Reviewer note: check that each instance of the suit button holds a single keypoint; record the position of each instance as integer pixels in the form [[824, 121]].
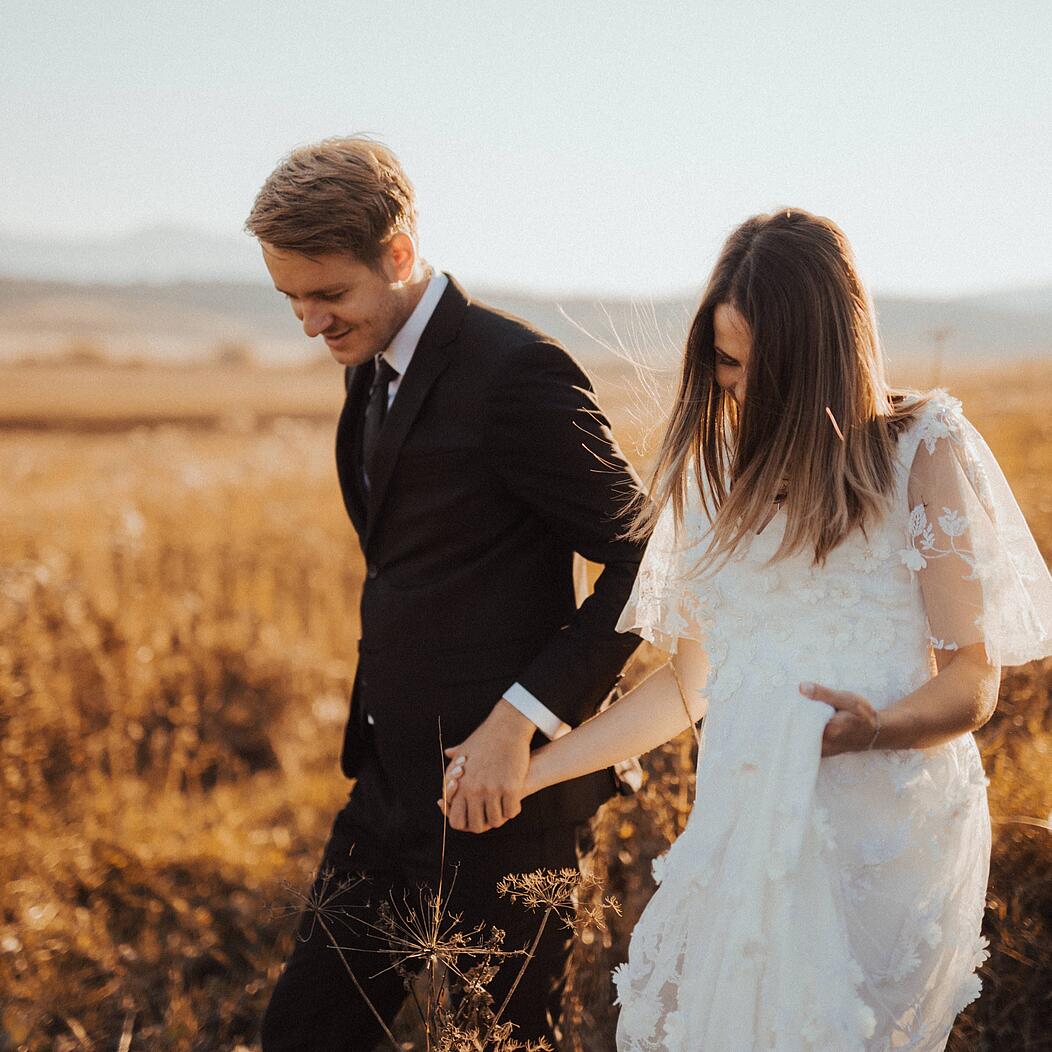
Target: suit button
[[372, 572]]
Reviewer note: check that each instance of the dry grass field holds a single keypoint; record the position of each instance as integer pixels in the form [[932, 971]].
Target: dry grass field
[[178, 612]]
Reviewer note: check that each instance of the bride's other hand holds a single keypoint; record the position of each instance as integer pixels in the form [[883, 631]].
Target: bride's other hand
[[855, 725]]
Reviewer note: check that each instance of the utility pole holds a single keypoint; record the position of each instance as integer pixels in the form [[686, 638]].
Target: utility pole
[[939, 336]]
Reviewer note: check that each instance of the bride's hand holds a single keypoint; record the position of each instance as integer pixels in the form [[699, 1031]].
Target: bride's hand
[[451, 783], [855, 725], [455, 771]]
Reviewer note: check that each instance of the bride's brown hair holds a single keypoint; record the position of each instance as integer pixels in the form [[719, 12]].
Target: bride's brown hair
[[818, 423]]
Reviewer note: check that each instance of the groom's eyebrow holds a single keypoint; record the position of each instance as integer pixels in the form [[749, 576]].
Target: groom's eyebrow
[[328, 290]]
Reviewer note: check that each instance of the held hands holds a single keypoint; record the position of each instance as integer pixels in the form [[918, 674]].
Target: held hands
[[855, 725], [485, 780]]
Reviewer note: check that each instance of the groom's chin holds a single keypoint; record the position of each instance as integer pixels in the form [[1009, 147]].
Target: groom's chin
[[351, 356]]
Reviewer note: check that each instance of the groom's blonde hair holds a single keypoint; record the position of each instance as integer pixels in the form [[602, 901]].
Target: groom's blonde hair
[[346, 195]]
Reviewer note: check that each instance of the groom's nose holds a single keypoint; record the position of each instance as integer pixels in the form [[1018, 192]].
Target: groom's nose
[[315, 319]]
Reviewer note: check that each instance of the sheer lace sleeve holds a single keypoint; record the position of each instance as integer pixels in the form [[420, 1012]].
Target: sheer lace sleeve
[[981, 574], [668, 602]]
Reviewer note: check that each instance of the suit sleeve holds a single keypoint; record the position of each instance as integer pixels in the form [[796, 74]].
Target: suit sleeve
[[552, 446]]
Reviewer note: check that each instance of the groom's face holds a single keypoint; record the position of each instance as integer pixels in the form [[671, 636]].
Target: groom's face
[[352, 306]]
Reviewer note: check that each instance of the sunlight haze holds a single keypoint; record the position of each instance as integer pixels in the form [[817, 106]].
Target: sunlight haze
[[589, 148]]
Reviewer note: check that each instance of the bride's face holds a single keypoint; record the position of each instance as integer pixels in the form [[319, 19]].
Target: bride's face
[[733, 342]]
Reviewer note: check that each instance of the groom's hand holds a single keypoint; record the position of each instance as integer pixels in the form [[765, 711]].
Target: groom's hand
[[495, 759]]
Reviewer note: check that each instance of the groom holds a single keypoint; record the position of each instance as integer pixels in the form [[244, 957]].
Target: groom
[[474, 462]]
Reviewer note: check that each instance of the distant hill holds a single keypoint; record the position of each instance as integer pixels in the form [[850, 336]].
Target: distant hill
[[161, 253], [1036, 299], [173, 294], [972, 329]]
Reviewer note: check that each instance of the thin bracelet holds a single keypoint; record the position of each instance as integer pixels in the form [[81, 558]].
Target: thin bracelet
[[683, 699], [875, 733]]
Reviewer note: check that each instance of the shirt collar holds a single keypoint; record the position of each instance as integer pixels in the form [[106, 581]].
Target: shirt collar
[[400, 351]]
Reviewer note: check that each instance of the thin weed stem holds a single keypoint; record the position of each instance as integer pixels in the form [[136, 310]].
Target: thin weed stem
[[357, 985], [522, 969]]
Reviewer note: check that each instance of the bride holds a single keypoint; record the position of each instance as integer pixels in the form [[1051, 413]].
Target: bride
[[839, 571]]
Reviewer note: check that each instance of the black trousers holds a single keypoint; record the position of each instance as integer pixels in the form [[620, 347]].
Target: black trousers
[[381, 852]]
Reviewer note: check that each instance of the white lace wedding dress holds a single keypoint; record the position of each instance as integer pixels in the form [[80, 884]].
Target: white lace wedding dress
[[831, 905]]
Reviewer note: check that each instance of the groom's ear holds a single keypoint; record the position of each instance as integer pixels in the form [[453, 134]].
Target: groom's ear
[[398, 258]]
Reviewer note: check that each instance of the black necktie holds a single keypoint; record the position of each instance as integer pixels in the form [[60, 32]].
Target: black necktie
[[375, 412]]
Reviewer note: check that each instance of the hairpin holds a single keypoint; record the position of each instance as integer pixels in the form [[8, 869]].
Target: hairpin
[[836, 426]]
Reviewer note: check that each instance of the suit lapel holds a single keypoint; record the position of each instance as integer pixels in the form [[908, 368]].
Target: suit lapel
[[429, 360], [348, 443]]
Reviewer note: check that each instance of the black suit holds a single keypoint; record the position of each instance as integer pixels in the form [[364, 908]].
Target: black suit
[[493, 467]]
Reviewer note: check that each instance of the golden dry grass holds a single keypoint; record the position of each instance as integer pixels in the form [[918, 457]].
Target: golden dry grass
[[108, 397], [178, 608]]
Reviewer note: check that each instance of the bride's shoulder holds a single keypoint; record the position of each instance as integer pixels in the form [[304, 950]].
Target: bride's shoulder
[[920, 406], [928, 416], [941, 444], [689, 526]]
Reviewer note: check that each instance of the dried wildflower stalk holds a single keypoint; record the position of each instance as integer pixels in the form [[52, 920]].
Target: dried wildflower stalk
[[427, 936]]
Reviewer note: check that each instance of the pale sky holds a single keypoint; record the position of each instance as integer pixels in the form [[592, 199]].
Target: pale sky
[[557, 146]]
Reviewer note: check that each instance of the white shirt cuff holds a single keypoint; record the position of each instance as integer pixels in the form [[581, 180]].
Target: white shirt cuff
[[540, 715]]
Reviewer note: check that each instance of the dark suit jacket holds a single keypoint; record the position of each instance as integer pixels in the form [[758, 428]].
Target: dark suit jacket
[[493, 467]]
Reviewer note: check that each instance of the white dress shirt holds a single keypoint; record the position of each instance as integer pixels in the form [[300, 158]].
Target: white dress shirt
[[398, 355], [400, 352]]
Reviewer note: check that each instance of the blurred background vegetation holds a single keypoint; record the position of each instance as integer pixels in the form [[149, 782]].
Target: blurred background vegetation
[[178, 614]]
